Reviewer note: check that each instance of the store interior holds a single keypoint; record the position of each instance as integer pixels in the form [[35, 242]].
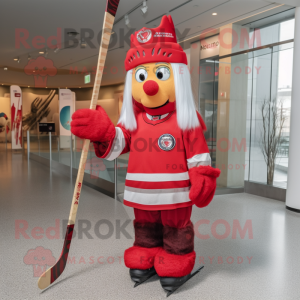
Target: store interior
[[230, 85], [242, 61]]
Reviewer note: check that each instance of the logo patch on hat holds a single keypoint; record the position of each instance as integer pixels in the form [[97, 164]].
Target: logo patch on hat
[[166, 142], [144, 36]]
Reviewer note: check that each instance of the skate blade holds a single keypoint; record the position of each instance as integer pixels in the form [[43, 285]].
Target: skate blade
[[139, 283], [169, 293]]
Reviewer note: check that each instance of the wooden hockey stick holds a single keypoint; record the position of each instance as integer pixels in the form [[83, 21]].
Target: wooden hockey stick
[[55, 271]]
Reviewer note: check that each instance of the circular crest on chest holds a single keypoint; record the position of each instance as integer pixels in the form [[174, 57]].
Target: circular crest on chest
[[166, 142]]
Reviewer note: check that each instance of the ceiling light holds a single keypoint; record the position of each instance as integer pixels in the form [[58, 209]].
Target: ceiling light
[[82, 43], [56, 50], [144, 8], [214, 14], [15, 59], [41, 52], [29, 86], [127, 21], [5, 69]]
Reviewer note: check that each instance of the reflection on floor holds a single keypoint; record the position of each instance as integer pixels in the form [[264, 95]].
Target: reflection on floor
[[280, 178], [4, 146], [260, 263]]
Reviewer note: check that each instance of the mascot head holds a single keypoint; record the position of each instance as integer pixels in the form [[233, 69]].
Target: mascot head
[[158, 80]]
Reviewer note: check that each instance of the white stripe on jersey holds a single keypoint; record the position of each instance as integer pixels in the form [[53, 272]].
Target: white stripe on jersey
[[156, 199], [117, 146], [156, 191], [158, 177], [199, 160]]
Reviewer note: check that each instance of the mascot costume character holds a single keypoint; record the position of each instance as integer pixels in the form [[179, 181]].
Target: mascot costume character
[[169, 167]]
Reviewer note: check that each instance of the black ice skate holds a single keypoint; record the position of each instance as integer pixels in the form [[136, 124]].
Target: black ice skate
[[171, 284], [140, 276]]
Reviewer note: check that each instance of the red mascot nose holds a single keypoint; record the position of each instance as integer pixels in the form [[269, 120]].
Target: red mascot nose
[[150, 87]]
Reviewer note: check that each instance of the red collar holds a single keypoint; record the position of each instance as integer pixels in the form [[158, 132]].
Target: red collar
[[169, 107]]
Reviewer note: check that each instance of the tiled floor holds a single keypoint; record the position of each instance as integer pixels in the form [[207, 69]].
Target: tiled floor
[[262, 264]]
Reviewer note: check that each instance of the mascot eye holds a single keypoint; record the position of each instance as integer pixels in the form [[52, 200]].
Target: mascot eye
[[163, 73], [141, 75], [44, 68]]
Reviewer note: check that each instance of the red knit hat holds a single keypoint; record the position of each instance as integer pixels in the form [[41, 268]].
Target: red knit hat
[[155, 45]]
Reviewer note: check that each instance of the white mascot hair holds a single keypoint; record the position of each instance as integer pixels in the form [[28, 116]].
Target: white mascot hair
[[185, 106]]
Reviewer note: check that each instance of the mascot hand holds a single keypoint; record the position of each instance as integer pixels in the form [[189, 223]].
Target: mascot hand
[[204, 182], [94, 125]]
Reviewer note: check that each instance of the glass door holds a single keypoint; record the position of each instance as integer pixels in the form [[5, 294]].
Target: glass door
[[225, 87], [208, 102], [261, 95]]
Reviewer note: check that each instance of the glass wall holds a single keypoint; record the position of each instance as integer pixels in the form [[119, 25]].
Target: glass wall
[[271, 116], [274, 33], [66, 150], [245, 101], [209, 102], [261, 89], [283, 91]]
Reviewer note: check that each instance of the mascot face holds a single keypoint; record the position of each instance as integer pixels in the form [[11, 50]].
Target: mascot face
[[153, 84]]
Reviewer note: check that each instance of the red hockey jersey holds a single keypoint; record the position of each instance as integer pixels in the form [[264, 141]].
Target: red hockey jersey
[[160, 156]]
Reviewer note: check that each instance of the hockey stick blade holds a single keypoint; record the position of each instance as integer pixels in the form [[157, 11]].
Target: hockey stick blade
[[55, 271]]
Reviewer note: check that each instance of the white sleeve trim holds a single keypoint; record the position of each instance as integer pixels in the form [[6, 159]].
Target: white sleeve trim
[[117, 146], [199, 160]]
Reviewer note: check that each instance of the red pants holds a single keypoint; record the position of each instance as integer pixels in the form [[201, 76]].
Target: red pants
[[163, 239], [170, 229], [177, 218]]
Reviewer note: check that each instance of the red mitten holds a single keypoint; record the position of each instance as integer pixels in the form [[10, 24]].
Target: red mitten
[[204, 182], [94, 125]]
